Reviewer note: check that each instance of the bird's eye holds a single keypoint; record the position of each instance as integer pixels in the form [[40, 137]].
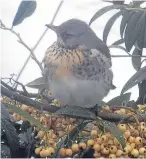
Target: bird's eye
[[66, 36]]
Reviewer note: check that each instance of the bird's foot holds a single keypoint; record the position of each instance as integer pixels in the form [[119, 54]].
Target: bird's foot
[[76, 111], [95, 109]]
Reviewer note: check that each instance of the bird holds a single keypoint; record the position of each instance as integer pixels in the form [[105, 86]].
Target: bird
[[77, 66]]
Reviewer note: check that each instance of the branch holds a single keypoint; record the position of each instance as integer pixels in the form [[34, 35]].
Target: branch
[[126, 56], [29, 95], [2, 26], [104, 115], [25, 100], [117, 118], [18, 83]]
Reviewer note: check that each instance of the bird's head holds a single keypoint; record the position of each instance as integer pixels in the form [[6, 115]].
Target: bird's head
[[74, 33], [70, 32]]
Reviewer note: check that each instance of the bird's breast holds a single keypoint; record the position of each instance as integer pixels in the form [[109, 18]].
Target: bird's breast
[[62, 60]]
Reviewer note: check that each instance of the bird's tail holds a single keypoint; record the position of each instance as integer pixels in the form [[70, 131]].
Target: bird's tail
[[113, 87]]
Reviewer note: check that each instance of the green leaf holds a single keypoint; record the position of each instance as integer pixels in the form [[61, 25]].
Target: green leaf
[[119, 47], [11, 135], [115, 132], [5, 112], [5, 151], [140, 39], [74, 133], [27, 116], [119, 99], [67, 142], [115, 2], [109, 25], [118, 42], [24, 126], [25, 9], [133, 29], [75, 111], [132, 104], [126, 17], [139, 76], [144, 45], [137, 3], [136, 61], [103, 11], [38, 83]]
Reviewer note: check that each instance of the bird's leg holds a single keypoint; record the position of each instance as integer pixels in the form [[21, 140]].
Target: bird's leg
[[95, 109]]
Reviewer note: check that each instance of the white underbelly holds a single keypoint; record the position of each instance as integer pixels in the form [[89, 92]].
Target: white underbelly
[[74, 92]]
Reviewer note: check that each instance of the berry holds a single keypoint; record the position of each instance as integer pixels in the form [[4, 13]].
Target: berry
[[41, 134], [68, 152], [138, 140], [112, 156], [90, 142], [45, 153], [110, 142], [97, 154], [113, 149], [94, 133], [122, 127], [127, 148], [37, 151], [25, 107], [127, 134], [82, 145], [106, 108], [75, 147], [122, 111], [62, 152], [99, 140], [119, 153], [104, 138], [142, 151], [135, 153], [105, 151], [116, 142], [131, 139], [51, 150], [132, 145], [96, 147]]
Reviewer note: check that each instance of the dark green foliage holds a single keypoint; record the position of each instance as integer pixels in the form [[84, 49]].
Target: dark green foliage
[[126, 16], [115, 131], [133, 29], [119, 99], [135, 79], [25, 9], [109, 25], [75, 111], [136, 61], [103, 11]]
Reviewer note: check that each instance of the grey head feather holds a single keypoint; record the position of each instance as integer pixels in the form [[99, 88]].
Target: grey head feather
[[75, 32]]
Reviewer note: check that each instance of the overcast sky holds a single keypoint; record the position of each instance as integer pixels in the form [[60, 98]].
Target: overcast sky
[[14, 54]]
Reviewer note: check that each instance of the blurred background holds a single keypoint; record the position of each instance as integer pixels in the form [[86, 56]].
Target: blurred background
[[14, 55]]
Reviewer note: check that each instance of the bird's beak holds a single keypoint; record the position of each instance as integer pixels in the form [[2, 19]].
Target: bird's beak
[[52, 27]]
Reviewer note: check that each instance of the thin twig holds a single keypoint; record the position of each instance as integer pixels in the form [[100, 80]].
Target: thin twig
[[126, 56], [25, 100], [104, 115], [18, 83], [142, 62], [136, 9], [2, 26], [30, 95], [35, 46]]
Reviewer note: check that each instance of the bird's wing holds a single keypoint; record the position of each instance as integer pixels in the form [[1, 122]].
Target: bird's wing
[[91, 41]]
